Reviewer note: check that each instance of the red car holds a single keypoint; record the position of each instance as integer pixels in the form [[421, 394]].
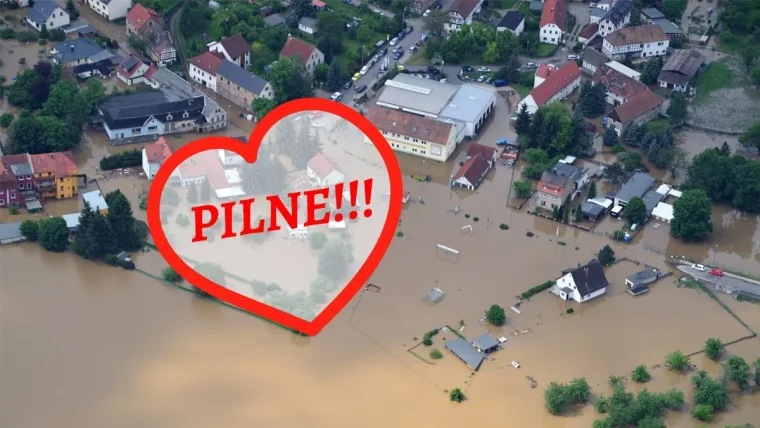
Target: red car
[[715, 272]]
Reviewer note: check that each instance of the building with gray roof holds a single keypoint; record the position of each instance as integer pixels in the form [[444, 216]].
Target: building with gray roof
[[471, 105], [48, 14], [11, 232], [592, 211], [274, 20], [651, 199], [635, 187], [485, 343], [672, 30], [465, 352], [71, 53], [241, 86], [643, 277], [650, 14]]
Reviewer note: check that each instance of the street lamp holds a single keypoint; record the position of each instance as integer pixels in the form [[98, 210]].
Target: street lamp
[[362, 55]]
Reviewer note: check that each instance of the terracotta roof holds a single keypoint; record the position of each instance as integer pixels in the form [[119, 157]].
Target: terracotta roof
[[206, 164], [61, 164], [473, 169], [551, 182], [140, 14], [410, 125], [7, 178], [19, 159], [618, 83], [557, 81], [297, 47], [207, 61], [151, 71], [545, 70], [317, 3], [158, 152], [554, 12], [235, 46], [321, 165], [464, 7], [633, 108], [487, 152], [637, 35], [589, 31]]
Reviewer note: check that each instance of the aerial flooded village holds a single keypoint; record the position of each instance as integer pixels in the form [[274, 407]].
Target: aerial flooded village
[[578, 241]]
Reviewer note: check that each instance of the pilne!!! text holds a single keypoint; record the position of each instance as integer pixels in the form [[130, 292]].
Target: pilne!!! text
[[316, 199]]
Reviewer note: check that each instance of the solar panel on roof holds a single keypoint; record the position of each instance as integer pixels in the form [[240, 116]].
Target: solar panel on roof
[[129, 63]]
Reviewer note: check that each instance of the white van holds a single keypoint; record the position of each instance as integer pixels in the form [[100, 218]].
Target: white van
[[299, 232]]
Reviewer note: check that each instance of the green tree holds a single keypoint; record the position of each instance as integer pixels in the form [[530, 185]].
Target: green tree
[[262, 106], [53, 234], [602, 404], [170, 275], [335, 258], [730, 179], [456, 395], [434, 23], [578, 214], [738, 371], [691, 216], [205, 194], [635, 211], [602, 423], [714, 348], [213, 272], [606, 256], [523, 188], [122, 222], [703, 412], [496, 315], [44, 32], [709, 391], [676, 361], [610, 138], [614, 173], [305, 147], [6, 119], [757, 372], [436, 354], [317, 240], [522, 122], [632, 161], [634, 134], [592, 99], [578, 390], [192, 194], [651, 70], [652, 422], [592, 190], [30, 229], [640, 374], [334, 77], [267, 176], [290, 80], [556, 398], [94, 93], [673, 399], [751, 137], [677, 110], [674, 9]]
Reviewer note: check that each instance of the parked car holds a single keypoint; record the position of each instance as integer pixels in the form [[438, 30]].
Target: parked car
[[427, 12], [398, 54], [700, 268], [573, 57], [484, 69], [401, 35], [413, 49], [336, 96], [356, 77], [398, 48], [715, 272], [394, 41], [467, 69], [438, 6], [499, 83], [482, 78], [409, 29], [502, 142], [424, 38], [383, 51], [531, 65], [378, 11], [348, 84], [361, 88], [591, 5], [364, 70]]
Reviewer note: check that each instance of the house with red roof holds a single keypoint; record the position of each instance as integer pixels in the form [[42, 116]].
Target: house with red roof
[[203, 67], [322, 172], [306, 53], [634, 102], [234, 48], [472, 173], [55, 175], [154, 155], [487, 152], [556, 87], [552, 24], [462, 12], [206, 167], [132, 71], [141, 17], [542, 73]]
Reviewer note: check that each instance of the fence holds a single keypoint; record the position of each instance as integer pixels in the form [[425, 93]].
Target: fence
[[577, 226]]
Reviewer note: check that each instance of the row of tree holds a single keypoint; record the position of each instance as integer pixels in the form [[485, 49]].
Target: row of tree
[[726, 178], [553, 130]]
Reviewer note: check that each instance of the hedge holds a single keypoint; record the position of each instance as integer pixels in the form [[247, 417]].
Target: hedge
[[537, 289], [126, 159]]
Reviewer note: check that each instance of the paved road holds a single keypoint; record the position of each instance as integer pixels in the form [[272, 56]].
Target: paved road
[[727, 280]]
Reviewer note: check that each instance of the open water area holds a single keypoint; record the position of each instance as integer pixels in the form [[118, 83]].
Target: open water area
[[84, 344]]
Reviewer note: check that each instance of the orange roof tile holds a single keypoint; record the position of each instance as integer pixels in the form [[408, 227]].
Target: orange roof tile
[[207, 61], [158, 152], [297, 47], [61, 164], [557, 81], [140, 14], [554, 12], [321, 165]]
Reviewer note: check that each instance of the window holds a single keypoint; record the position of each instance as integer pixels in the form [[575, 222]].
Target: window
[[21, 186], [543, 203], [61, 188], [2, 201], [28, 185]]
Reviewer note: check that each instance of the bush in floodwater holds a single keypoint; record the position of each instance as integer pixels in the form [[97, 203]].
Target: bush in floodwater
[[466, 216], [110, 259], [475, 219], [399, 234], [503, 226], [529, 234], [170, 275], [456, 395], [435, 354], [569, 311], [427, 340], [537, 289], [13, 210]]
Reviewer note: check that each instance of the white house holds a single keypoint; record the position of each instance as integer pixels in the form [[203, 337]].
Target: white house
[[132, 71], [96, 200], [633, 74], [154, 155], [230, 159], [617, 17], [557, 86], [582, 284], [203, 68], [513, 21], [308, 25], [309, 55], [47, 13], [322, 172], [21, 3], [462, 12], [472, 173], [644, 41], [110, 9], [235, 49], [552, 24], [543, 71]]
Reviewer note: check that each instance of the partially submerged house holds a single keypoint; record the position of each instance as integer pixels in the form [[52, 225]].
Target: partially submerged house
[[485, 343], [323, 172], [557, 86], [636, 186], [154, 155], [472, 173], [465, 352], [582, 284], [97, 201], [638, 283], [592, 211]]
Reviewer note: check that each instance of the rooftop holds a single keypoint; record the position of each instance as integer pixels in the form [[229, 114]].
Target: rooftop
[[684, 61], [594, 57], [618, 83], [668, 27], [589, 31], [61, 164], [207, 61], [410, 125], [465, 352], [274, 19], [643, 275], [75, 49], [140, 14], [297, 47], [619, 10], [589, 278], [554, 12], [468, 103], [485, 342], [636, 186], [235, 45], [487, 152], [651, 199], [413, 93], [20, 164], [465, 7], [41, 11], [652, 13], [473, 169], [321, 166], [512, 19], [13, 231], [158, 152], [637, 105], [591, 208], [637, 35], [551, 178], [232, 72], [96, 200], [572, 172], [308, 22], [557, 81]]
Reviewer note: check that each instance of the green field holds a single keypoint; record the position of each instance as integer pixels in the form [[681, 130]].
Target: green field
[[716, 76], [545, 49]]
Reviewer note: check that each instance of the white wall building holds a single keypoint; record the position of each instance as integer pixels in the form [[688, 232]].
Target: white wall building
[[202, 68], [48, 14], [154, 155], [552, 24], [110, 9], [617, 17], [557, 86], [582, 284], [234, 48], [643, 41]]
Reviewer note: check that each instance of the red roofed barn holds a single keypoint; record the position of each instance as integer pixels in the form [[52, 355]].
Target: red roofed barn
[[552, 23], [556, 87]]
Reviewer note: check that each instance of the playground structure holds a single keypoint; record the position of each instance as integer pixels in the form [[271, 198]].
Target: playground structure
[[446, 250]]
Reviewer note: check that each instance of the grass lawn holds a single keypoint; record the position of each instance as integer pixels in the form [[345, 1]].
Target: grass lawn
[[420, 59], [658, 125], [525, 8], [545, 49], [716, 76], [504, 4], [522, 89]]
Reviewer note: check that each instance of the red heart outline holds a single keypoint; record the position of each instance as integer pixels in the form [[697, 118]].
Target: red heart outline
[[249, 152]]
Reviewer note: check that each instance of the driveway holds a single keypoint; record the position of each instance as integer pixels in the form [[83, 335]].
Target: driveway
[[106, 28], [730, 281]]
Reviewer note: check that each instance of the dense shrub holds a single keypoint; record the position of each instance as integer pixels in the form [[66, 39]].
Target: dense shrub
[[127, 159], [537, 289]]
